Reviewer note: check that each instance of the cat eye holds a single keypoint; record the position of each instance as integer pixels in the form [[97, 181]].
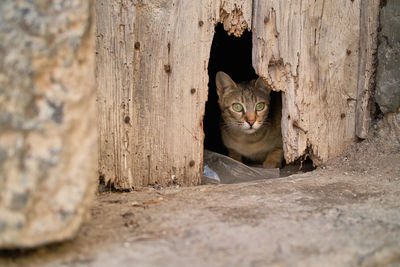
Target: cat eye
[[260, 106], [237, 107]]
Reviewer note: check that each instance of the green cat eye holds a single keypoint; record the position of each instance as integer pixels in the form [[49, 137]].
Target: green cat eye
[[260, 106], [237, 107]]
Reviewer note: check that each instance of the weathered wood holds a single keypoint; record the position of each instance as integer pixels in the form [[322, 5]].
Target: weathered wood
[[366, 74], [152, 82], [152, 79], [309, 51]]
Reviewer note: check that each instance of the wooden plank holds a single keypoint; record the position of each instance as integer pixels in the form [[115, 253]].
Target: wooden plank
[[309, 51], [366, 79], [152, 82]]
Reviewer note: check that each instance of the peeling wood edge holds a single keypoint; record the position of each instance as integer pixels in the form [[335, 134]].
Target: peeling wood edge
[[233, 21]]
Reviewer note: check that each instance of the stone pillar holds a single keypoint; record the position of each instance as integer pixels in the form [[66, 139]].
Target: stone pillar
[[388, 71], [48, 132], [387, 93]]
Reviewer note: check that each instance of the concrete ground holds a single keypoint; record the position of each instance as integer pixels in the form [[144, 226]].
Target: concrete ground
[[344, 214]]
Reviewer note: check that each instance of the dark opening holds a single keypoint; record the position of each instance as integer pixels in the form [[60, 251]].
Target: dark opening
[[231, 55]]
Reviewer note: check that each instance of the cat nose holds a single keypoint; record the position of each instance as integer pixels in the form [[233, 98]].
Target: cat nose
[[251, 118]]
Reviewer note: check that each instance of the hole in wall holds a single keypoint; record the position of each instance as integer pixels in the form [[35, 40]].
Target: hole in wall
[[231, 55], [299, 166]]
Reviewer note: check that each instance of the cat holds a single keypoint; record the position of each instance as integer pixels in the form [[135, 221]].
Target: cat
[[251, 126]]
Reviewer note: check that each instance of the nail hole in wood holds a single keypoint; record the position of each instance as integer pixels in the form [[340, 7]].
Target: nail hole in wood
[[137, 45], [127, 119], [167, 68], [193, 90]]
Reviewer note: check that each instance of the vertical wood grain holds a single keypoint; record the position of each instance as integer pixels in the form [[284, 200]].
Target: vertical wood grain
[[367, 64], [152, 61], [309, 51]]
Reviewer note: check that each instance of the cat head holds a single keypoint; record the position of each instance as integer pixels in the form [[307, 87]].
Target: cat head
[[244, 106]]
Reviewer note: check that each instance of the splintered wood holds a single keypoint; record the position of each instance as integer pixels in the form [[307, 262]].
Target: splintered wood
[[152, 60], [309, 50]]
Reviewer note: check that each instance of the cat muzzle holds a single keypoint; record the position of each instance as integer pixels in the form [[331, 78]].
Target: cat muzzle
[[251, 122]]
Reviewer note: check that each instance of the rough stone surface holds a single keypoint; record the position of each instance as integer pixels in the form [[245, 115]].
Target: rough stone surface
[[47, 119], [345, 214], [389, 127], [388, 71]]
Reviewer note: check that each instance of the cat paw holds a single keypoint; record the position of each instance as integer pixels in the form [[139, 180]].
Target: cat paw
[[274, 159], [234, 155], [271, 164]]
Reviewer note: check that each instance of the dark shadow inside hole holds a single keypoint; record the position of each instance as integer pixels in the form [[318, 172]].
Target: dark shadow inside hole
[[299, 166], [307, 165], [231, 55]]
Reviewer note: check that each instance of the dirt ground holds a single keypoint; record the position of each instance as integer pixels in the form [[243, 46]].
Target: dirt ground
[[345, 213]]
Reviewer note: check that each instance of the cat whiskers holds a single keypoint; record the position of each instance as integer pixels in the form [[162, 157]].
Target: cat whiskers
[[231, 125], [266, 123]]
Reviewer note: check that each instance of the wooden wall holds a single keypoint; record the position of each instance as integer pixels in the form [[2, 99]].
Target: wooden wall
[[152, 59]]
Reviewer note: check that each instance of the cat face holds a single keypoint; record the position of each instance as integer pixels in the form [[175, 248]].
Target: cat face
[[244, 106]]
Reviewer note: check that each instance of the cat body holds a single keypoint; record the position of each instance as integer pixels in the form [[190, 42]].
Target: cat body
[[251, 126]]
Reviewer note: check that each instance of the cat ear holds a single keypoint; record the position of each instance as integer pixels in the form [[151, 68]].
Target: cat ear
[[223, 81], [260, 84]]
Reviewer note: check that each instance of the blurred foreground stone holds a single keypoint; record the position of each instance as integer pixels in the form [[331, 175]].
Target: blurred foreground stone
[[48, 152], [388, 71]]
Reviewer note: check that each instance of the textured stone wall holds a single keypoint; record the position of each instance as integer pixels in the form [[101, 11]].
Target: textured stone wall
[[48, 152], [387, 93], [388, 71]]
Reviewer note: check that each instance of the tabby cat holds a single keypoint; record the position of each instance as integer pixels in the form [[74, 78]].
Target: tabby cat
[[251, 127]]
